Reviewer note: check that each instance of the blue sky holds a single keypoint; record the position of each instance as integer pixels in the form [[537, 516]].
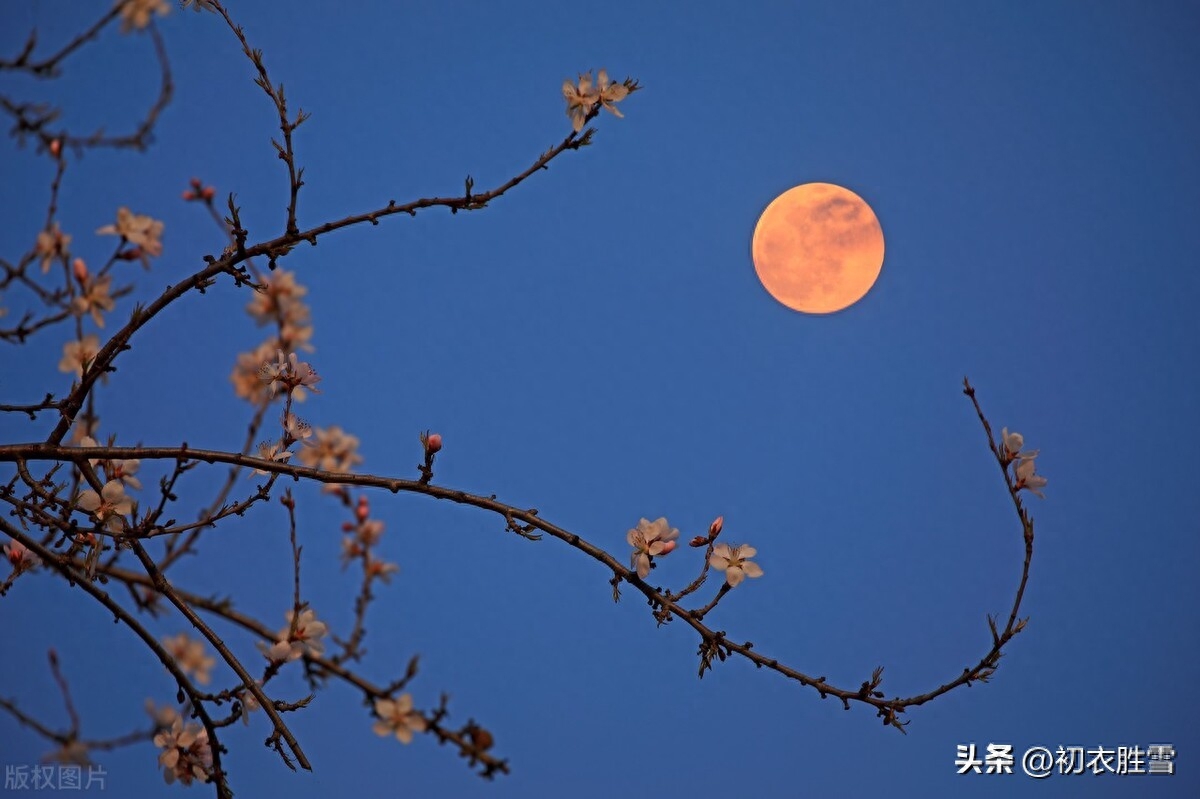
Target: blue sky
[[596, 344]]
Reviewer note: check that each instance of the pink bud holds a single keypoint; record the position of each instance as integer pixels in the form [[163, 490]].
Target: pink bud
[[208, 192], [187, 196], [363, 510], [79, 268], [433, 443], [196, 183], [714, 529], [56, 147], [698, 541]]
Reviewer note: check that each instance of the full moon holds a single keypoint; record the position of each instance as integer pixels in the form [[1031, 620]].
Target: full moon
[[818, 248]]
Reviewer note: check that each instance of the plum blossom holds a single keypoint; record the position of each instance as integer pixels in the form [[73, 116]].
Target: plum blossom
[[735, 562], [190, 656], [305, 640], [123, 470], [649, 539], [279, 298], [580, 98], [397, 717], [381, 569], [1012, 443], [135, 14], [20, 557], [51, 243], [288, 373], [331, 449], [247, 373], [78, 353], [143, 231], [610, 93], [296, 428], [272, 451], [186, 754], [94, 299], [249, 703], [1027, 479], [109, 507], [163, 717]]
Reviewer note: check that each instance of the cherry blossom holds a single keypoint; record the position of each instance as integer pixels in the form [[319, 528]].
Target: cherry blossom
[[397, 717], [735, 562]]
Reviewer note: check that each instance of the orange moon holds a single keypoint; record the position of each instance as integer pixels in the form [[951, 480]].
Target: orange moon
[[818, 248]]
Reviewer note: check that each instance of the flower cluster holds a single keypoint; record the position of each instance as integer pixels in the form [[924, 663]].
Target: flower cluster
[[190, 656], [144, 232], [280, 301], [94, 297], [1011, 449], [305, 639], [289, 374], [397, 717], [331, 449], [582, 96], [360, 537], [198, 190], [186, 754], [52, 244], [650, 539]]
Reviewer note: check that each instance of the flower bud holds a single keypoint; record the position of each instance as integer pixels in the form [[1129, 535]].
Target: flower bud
[[698, 541], [56, 147], [79, 269], [714, 529], [363, 510], [433, 443], [208, 192]]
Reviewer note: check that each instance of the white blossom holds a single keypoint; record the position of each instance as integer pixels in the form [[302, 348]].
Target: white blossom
[[648, 539], [397, 717], [735, 562]]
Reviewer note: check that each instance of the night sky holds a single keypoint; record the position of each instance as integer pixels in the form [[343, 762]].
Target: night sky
[[596, 344]]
